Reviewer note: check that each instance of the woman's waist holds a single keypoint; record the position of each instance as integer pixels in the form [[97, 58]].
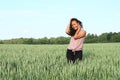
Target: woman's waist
[[74, 51], [75, 47]]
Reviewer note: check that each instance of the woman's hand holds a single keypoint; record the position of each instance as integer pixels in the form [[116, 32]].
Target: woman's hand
[[78, 30], [79, 33]]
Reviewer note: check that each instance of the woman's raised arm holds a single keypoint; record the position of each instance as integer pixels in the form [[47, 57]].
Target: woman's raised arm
[[81, 34], [67, 31]]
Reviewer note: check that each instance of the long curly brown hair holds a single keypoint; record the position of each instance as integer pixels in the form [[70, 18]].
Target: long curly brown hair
[[72, 31]]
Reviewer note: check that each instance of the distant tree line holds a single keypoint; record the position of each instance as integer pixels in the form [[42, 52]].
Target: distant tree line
[[103, 38], [45, 40], [90, 38]]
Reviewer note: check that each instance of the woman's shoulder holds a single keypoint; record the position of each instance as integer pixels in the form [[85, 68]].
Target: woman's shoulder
[[83, 30]]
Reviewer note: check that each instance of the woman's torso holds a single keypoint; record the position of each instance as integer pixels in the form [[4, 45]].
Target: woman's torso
[[76, 44]]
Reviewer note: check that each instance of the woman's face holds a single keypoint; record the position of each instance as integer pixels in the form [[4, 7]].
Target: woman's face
[[75, 25]]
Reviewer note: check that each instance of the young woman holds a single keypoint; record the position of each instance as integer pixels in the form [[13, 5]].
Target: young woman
[[75, 47]]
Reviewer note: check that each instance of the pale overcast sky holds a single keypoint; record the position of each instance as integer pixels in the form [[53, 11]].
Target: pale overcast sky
[[48, 18]]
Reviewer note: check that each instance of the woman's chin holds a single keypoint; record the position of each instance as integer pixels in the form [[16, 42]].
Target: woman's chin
[[76, 29]]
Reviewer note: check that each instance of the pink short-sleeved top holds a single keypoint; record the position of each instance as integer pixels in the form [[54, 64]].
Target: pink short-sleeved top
[[76, 45]]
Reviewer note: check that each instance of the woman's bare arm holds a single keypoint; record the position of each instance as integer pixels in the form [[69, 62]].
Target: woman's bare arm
[[67, 31], [81, 34]]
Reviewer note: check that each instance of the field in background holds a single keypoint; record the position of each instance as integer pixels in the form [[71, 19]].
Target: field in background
[[48, 62]]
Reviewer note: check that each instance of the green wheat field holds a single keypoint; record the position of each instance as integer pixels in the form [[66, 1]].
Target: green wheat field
[[48, 62]]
